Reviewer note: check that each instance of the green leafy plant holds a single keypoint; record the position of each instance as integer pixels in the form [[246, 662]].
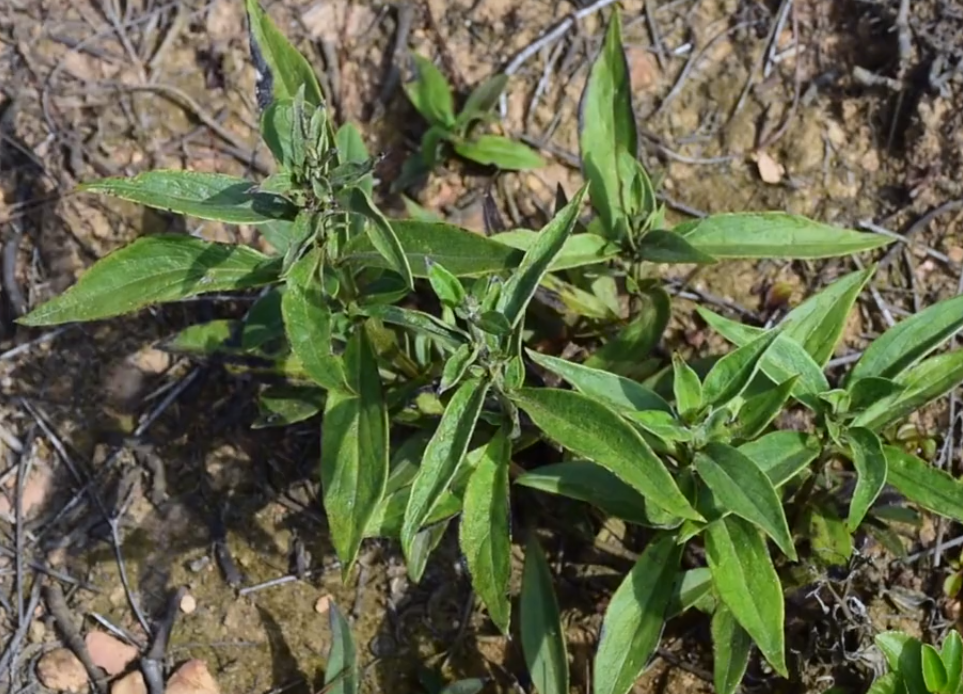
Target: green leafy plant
[[431, 94], [424, 348], [918, 668]]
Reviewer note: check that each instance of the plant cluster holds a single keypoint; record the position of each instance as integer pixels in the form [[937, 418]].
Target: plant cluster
[[416, 341], [918, 668]]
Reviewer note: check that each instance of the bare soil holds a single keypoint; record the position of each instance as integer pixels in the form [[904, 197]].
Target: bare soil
[[845, 111]]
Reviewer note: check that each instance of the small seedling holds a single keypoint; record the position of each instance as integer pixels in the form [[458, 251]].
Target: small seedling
[[431, 94]]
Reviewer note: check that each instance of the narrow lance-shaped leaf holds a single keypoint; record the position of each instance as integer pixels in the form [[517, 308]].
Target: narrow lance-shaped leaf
[[686, 386], [585, 481], [520, 288], [627, 349], [924, 484], [445, 451], [354, 451], [870, 463], [730, 651], [739, 485], [592, 431], [482, 99], [154, 270], [485, 535], [934, 672], [282, 69], [746, 581], [919, 385], [635, 617], [495, 150], [430, 94], [774, 235], [307, 322], [607, 126], [760, 410], [817, 323], [904, 656], [543, 641], [731, 374], [619, 393], [212, 196], [910, 340], [380, 233], [418, 321], [462, 252], [341, 673]]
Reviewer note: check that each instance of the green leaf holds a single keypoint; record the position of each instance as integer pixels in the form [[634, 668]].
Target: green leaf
[[287, 69], [482, 99], [494, 323], [456, 367], [498, 151], [445, 451], [829, 538], [543, 640], [686, 386], [904, 655], [870, 464], [661, 246], [920, 385], [774, 235], [924, 484], [747, 583], [446, 286], [419, 321], [277, 128], [952, 656], [865, 392], [730, 651], [354, 451], [740, 486], [731, 374], [380, 233], [351, 148], [278, 233], [521, 286], [419, 213], [341, 672], [910, 340], [817, 323], [585, 481], [621, 394], [578, 250], [212, 196], [462, 252], [430, 94], [624, 352], [785, 358], [263, 323], [307, 322], [286, 405], [758, 411], [635, 617], [934, 672], [782, 454], [890, 683], [591, 430], [692, 589], [485, 536], [154, 270], [607, 127]]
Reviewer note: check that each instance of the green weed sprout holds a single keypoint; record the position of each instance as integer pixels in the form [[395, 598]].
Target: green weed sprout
[[430, 93]]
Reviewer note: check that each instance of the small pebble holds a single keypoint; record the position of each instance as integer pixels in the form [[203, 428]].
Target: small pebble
[[188, 604], [131, 683], [109, 652], [323, 604], [192, 677], [199, 564], [60, 670]]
